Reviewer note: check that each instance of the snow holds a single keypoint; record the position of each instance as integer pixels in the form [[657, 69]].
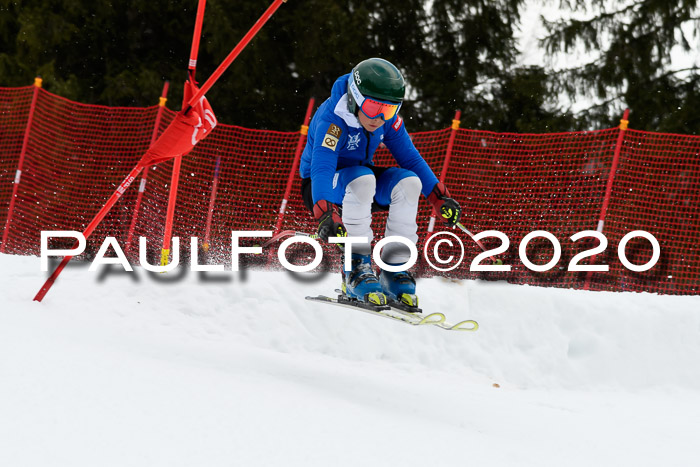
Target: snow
[[182, 369]]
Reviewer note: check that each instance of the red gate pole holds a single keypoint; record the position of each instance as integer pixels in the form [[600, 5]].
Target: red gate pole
[[446, 163], [18, 174], [443, 175], [212, 199], [91, 227], [175, 177], [608, 189], [144, 176], [194, 50], [295, 165], [172, 201], [136, 170], [234, 53]]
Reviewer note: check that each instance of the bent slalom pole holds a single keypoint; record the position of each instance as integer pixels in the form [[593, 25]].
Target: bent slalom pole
[[496, 261], [177, 139]]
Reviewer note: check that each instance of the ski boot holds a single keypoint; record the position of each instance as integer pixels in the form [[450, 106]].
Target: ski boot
[[400, 289], [360, 283]]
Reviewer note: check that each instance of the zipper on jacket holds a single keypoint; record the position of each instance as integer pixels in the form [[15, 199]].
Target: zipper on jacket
[[367, 134]]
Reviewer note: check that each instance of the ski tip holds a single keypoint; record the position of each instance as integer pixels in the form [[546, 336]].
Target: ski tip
[[467, 325], [433, 318]]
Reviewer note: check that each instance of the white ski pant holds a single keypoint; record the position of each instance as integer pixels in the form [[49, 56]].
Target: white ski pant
[[401, 191]]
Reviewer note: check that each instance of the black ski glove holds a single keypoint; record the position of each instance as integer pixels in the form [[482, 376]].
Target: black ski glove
[[445, 207], [329, 222]]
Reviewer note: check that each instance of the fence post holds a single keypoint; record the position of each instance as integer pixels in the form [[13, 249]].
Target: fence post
[[608, 189], [144, 176], [446, 163], [295, 164], [212, 198], [18, 174]]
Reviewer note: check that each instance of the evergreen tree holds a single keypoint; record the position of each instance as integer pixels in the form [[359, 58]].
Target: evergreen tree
[[104, 52], [471, 44], [523, 104], [631, 44], [455, 54]]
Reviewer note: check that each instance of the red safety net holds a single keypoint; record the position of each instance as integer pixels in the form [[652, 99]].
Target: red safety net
[[14, 112], [77, 155], [75, 158]]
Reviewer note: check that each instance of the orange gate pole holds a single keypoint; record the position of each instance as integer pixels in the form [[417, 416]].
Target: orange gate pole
[[446, 163], [144, 176], [295, 165], [18, 174], [212, 199], [608, 189]]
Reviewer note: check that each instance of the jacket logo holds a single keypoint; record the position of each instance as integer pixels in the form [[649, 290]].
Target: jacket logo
[[330, 141], [334, 130], [353, 142], [397, 124]]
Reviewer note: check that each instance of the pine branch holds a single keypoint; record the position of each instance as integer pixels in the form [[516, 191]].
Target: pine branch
[[673, 72]]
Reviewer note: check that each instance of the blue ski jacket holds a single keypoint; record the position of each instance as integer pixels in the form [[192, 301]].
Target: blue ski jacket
[[337, 140]]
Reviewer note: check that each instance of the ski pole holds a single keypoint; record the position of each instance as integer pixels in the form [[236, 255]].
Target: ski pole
[[496, 261], [288, 233]]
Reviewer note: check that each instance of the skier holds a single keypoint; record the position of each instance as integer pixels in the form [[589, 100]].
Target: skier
[[337, 171]]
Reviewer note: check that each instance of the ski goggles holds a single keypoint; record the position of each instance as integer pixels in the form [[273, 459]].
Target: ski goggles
[[373, 108]]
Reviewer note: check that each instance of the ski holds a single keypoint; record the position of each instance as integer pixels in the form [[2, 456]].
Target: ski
[[378, 310], [392, 310], [437, 319]]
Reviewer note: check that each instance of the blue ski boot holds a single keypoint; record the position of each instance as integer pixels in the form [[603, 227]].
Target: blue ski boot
[[361, 283], [400, 289]]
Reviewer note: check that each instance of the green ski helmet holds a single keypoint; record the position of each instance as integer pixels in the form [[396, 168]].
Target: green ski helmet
[[378, 79]]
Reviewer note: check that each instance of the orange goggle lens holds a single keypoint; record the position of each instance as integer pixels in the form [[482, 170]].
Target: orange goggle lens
[[373, 109]]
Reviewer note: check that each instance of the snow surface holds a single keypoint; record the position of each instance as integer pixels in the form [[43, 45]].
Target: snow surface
[[140, 369]]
